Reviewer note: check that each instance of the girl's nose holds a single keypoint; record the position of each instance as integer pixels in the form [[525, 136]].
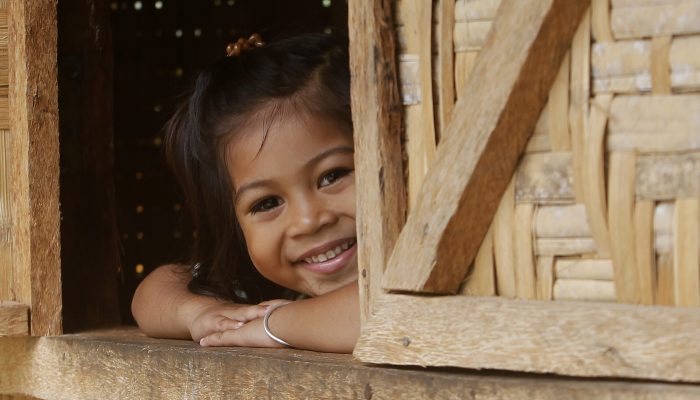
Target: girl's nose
[[309, 215]]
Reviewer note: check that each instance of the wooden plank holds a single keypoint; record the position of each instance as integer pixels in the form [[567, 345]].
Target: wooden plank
[[376, 112], [566, 338], [473, 168], [5, 219], [660, 65], [644, 18], [35, 168], [14, 319], [116, 365]]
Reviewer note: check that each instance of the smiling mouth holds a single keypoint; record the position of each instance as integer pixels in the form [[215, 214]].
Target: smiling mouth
[[330, 254]]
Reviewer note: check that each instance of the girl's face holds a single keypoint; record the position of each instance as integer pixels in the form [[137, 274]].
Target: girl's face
[[295, 201]]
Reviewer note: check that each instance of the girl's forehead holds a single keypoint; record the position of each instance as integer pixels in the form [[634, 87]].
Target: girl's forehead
[[287, 142]]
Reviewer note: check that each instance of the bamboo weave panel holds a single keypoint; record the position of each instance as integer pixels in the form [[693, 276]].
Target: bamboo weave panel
[[605, 203]]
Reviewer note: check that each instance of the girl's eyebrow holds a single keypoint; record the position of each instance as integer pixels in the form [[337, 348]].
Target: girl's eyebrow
[[314, 160]]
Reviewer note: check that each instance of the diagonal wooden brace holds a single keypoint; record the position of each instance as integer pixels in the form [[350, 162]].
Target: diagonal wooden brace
[[479, 152]]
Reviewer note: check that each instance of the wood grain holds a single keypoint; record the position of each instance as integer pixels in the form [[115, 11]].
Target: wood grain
[[654, 124], [579, 98], [445, 65], [508, 88], [481, 280], [564, 338], [645, 18], [525, 281], [594, 174], [14, 319], [621, 220], [504, 244], [376, 112], [545, 178], [628, 66], [124, 365], [668, 176], [33, 99], [686, 253], [644, 250]]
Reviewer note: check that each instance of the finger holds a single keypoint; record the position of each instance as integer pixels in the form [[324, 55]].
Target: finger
[[245, 313], [248, 336], [274, 302], [224, 323]]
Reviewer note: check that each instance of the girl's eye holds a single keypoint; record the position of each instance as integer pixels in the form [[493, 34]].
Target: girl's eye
[[265, 205], [330, 177]]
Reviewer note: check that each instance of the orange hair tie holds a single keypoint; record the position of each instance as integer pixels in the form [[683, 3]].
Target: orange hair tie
[[235, 49]]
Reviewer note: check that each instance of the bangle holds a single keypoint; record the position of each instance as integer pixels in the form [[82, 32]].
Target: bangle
[[266, 325]]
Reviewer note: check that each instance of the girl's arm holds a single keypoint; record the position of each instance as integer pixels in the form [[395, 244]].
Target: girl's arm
[[164, 307], [329, 323]]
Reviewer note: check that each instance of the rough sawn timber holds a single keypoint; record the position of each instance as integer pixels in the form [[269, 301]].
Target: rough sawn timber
[[122, 364], [34, 178], [479, 152], [381, 198], [564, 338]]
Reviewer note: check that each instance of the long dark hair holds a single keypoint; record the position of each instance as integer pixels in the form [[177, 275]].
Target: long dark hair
[[310, 71]]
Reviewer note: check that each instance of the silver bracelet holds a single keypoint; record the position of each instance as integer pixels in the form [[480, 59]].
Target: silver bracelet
[[266, 326]]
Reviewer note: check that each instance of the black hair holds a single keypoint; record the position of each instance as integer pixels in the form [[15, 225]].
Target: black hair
[[309, 71]]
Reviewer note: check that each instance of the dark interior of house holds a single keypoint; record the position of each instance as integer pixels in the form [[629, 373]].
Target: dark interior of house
[[123, 66]]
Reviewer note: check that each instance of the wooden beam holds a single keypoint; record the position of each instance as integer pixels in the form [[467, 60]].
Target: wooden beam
[[376, 112], [479, 152], [33, 97], [14, 319], [124, 365], [564, 338]]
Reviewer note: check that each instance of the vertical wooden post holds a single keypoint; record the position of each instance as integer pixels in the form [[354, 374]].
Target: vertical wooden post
[[376, 112], [34, 169]]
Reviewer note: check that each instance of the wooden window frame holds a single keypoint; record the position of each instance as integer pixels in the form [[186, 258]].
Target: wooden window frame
[[570, 338]]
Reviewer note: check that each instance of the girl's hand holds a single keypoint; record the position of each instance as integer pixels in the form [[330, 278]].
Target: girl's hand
[[221, 317], [250, 334]]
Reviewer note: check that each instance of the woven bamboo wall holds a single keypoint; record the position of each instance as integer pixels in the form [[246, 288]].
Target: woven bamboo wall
[[605, 203], [5, 219]]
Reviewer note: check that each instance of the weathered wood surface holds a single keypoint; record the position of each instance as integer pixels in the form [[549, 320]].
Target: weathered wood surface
[[482, 143], [125, 365], [566, 338], [33, 99], [14, 319], [376, 112]]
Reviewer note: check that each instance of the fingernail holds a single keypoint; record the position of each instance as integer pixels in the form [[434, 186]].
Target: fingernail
[[201, 342]]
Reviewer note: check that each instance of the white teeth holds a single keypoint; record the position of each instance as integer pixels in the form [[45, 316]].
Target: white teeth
[[330, 254]]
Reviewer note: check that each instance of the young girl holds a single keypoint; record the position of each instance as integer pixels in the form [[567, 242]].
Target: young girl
[[263, 149]]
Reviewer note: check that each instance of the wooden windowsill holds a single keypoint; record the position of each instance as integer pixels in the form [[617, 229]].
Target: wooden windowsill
[[124, 364]]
